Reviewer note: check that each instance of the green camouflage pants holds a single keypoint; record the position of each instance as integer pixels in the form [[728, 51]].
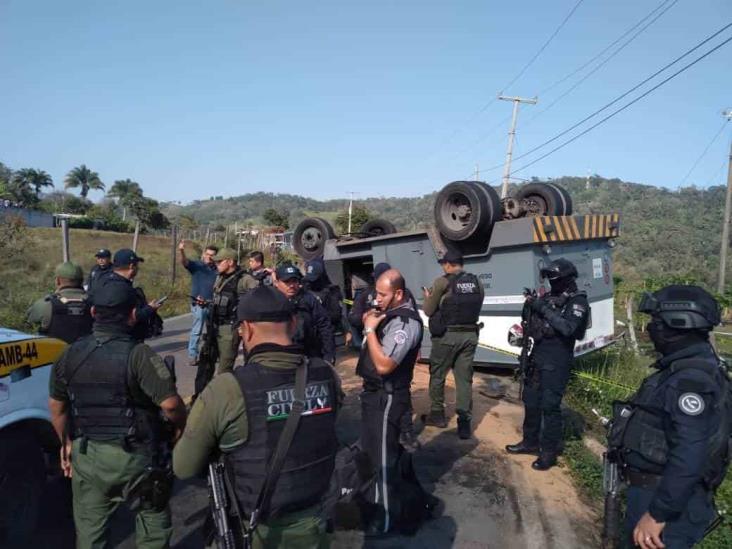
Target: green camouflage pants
[[454, 350], [228, 340], [99, 476]]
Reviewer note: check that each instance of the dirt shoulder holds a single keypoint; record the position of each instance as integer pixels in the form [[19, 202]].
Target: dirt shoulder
[[491, 499]]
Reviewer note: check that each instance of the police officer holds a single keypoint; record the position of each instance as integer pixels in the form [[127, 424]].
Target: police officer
[[557, 321], [318, 282], [241, 415], [65, 314], [125, 267], [393, 336], [314, 331], [258, 270], [103, 265], [231, 282], [363, 302], [672, 436], [453, 305], [107, 393]]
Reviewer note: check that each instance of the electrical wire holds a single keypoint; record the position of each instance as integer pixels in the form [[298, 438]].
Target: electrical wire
[[601, 64], [604, 51], [704, 152], [631, 90], [621, 109]]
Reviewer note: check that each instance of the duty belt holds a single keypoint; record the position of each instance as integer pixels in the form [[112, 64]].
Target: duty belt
[[642, 480]]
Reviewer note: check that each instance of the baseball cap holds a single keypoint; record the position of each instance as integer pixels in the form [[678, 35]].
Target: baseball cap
[[380, 269], [314, 270], [69, 270], [288, 271], [103, 252], [225, 253], [264, 304], [452, 256], [114, 294], [125, 257]]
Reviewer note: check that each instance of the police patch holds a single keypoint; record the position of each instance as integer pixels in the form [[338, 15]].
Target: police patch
[[578, 310], [691, 404], [160, 368], [400, 337]]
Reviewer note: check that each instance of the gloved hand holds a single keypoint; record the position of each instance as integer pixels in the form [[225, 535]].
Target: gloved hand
[[538, 305]]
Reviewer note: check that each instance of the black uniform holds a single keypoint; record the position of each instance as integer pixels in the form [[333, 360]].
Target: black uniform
[[149, 323], [557, 321], [95, 274], [384, 402], [671, 440], [314, 331]]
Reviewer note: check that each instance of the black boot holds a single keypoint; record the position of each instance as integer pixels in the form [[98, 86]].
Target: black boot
[[436, 419], [463, 424], [546, 460], [523, 447]]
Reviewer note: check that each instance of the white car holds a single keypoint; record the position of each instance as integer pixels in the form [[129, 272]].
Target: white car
[[28, 443]]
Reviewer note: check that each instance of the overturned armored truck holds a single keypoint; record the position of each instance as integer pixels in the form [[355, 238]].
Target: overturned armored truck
[[504, 243]]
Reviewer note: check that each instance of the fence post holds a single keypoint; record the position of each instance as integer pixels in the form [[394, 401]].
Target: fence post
[[136, 237], [174, 247], [65, 239], [631, 326]]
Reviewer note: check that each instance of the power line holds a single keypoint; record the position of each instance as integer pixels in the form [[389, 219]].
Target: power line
[[704, 152], [631, 90], [621, 109], [605, 50], [543, 47], [602, 63]]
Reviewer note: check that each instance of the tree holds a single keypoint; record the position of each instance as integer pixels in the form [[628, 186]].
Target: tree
[[277, 218], [33, 179], [126, 192], [360, 215], [83, 177], [60, 201]]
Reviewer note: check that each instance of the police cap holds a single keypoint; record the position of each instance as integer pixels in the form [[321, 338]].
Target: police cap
[[104, 252], [264, 304], [125, 257], [314, 270], [114, 294], [451, 256], [559, 268], [225, 253], [288, 271], [69, 270], [682, 307], [380, 269]]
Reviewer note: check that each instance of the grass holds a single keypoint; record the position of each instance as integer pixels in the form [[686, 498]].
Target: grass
[[31, 255], [614, 374]]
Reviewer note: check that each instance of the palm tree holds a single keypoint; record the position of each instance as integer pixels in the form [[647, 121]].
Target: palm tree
[[127, 193], [83, 177], [32, 178]]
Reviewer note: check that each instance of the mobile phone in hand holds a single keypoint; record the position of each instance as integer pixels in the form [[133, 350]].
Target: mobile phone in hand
[[161, 300]]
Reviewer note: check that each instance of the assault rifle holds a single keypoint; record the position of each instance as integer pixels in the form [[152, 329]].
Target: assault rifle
[[526, 360], [219, 503], [208, 348], [611, 484]]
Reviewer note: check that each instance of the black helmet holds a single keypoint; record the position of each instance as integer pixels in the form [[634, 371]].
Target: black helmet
[[559, 268], [682, 307]]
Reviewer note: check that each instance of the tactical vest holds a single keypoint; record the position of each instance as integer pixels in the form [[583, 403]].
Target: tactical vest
[[102, 408], [307, 469], [305, 334], [539, 328], [70, 318], [638, 435], [263, 277], [328, 298], [463, 301], [226, 297], [401, 377]]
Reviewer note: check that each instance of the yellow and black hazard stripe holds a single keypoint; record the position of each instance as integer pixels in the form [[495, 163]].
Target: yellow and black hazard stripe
[[561, 228]]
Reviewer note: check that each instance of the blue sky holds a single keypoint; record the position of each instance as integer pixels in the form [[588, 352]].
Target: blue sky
[[382, 98]]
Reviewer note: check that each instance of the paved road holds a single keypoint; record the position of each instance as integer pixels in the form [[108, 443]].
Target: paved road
[[491, 500]]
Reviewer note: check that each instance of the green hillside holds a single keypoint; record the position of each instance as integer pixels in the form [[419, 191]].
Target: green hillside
[[664, 233]]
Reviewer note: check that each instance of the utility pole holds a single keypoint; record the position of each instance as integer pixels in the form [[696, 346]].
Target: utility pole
[[350, 211], [727, 211], [511, 136], [477, 173]]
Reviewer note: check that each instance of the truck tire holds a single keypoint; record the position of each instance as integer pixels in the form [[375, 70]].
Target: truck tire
[[22, 478], [377, 227], [539, 199], [567, 198], [494, 205], [463, 211], [310, 236]]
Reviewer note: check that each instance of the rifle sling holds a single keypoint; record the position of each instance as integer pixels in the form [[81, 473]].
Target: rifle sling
[[283, 446]]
